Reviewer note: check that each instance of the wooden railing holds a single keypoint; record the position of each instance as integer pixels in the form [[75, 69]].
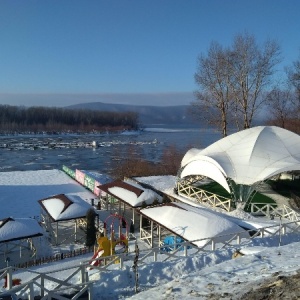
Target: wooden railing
[[270, 210], [202, 196], [77, 279], [56, 257], [39, 281]]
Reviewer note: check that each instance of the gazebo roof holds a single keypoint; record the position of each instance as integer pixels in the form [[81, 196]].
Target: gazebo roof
[[65, 207], [18, 229], [130, 192], [246, 157]]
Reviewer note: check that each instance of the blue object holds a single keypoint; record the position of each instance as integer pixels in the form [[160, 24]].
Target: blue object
[[171, 243]]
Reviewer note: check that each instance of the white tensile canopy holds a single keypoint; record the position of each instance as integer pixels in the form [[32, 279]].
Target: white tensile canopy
[[246, 157]]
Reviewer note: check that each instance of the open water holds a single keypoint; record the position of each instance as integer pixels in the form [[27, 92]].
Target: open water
[[44, 152]]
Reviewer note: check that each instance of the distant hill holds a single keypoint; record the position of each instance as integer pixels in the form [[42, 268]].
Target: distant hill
[[147, 114]]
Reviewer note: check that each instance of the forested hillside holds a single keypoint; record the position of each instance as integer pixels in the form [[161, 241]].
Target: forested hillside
[[52, 119], [147, 114]]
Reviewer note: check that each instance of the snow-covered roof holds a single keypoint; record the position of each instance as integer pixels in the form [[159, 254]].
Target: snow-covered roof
[[100, 177], [192, 224], [64, 207], [17, 229], [24, 188], [162, 183], [130, 192], [246, 157]]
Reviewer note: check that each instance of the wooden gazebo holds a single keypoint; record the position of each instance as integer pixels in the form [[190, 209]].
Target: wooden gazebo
[[16, 240], [61, 215]]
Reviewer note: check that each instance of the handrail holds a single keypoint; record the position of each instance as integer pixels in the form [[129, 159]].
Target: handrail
[[269, 210], [188, 247], [203, 196]]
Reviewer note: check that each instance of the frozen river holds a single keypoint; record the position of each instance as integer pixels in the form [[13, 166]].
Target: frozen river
[[44, 152]]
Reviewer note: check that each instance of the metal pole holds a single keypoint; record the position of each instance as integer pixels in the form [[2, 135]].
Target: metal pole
[[280, 226]]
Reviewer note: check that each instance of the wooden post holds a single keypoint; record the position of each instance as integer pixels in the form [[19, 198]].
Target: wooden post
[[283, 229], [159, 234], [238, 239], [90, 288], [82, 272], [155, 255], [75, 234], [56, 234], [151, 233], [121, 258], [213, 244], [133, 219], [185, 249], [31, 291], [141, 225], [9, 278], [106, 201], [42, 284]]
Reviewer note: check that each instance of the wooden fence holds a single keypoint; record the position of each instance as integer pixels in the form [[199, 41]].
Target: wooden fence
[[77, 281], [40, 280], [53, 258], [270, 210], [202, 196]]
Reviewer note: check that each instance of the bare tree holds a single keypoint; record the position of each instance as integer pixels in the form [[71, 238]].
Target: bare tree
[[281, 104], [213, 99], [231, 81], [293, 73], [251, 68]]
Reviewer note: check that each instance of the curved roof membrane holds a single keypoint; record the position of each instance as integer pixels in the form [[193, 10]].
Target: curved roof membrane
[[246, 157]]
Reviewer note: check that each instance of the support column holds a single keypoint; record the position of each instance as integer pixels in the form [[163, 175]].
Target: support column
[[75, 234], [151, 234], [106, 201], [141, 223], [133, 219], [56, 234], [159, 234]]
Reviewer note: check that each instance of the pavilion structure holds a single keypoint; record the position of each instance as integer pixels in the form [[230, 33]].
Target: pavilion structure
[[16, 240], [62, 216], [239, 162], [126, 197]]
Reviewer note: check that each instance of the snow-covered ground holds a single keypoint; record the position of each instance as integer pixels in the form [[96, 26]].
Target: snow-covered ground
[[21, 190], [197, 276]]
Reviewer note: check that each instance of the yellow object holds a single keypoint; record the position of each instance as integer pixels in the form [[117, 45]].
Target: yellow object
[[109, 247], [104, 243]]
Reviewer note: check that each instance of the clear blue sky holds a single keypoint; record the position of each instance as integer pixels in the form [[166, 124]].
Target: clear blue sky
[[61, 52]]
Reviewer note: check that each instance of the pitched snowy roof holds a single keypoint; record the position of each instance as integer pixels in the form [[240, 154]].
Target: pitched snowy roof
[[194, 224], [162, 183], [64, 207], [17, 229], [130, 192], [100, 177], [247, 157]]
